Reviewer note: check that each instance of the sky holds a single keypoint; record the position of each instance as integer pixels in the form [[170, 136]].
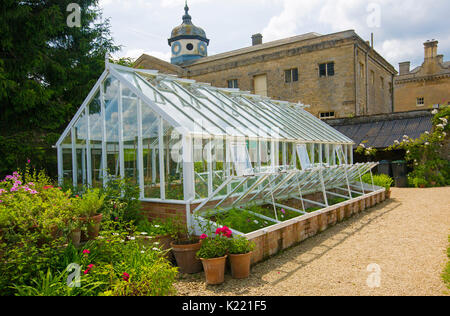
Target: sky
[[400, 27]]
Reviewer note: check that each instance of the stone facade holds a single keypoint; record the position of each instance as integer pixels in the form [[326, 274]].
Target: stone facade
[[426, 86], [345, 93]]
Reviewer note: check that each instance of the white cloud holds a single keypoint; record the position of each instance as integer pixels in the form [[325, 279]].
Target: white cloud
[[145, 25]]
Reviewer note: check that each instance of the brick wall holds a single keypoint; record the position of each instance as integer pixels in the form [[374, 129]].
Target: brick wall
[[269, 244]]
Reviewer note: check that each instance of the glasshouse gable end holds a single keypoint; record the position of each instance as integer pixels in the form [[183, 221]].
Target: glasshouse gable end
[[211, 155]]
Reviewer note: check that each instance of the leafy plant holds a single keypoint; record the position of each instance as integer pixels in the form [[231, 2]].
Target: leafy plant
[[158, 227], [89, 204], [446, 273], [216, 247], [381, 180], [240, 220], [241, 245], [424, 153]]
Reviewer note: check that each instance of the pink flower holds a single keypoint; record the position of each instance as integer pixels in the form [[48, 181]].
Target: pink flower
[[204, 236], [86, 251], [283, 211], [31, 184], [1, 201], [90, 266], [14, 189], [34, 192], [28, 161], [125, 277]]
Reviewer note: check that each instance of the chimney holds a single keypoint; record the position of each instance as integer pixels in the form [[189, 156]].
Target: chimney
[[430, 48], [257, 39], [404, 67]]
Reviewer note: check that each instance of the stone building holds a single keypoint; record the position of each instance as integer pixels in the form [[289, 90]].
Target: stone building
[[425, 87], [338, 75]]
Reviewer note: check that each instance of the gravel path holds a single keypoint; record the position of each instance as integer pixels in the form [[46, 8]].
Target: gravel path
[[406, 237]]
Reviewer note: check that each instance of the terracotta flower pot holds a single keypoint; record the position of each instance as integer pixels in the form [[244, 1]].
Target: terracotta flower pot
[[93, 225], [240, 265], [214, 270], [185, 255], [75, 237], [388, 194]]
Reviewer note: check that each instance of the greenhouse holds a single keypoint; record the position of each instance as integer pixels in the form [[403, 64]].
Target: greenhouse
[[211, 149]]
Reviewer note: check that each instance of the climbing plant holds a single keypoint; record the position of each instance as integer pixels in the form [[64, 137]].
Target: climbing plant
[[424, 154]]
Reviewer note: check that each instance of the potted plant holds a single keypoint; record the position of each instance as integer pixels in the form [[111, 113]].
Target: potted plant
[[240, 254], [158, 232], [87, 209], [213, 254], [184, 248]]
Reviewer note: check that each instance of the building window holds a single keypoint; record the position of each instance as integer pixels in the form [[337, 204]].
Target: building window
[[372, 77], [190, 46], [382, 83], [326, 70], [361, 70], [327, 115], [233, 84], [420, 101], [291, 75]]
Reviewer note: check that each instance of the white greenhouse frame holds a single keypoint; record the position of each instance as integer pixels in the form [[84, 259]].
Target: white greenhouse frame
[[155, 127]]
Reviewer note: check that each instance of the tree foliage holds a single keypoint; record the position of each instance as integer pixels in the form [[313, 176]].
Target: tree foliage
[[46, 70]]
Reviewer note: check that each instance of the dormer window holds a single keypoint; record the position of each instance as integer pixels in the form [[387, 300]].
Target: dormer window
[[189, 46]]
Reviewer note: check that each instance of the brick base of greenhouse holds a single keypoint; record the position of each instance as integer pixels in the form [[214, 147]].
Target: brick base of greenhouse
[[271, 241]]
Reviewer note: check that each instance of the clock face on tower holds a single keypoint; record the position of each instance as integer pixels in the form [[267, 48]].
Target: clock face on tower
[[176, 48], [202, 48]]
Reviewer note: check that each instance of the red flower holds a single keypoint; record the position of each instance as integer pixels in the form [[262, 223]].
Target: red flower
[[125, 277], [204, 236], [47, 187], [224, 231]]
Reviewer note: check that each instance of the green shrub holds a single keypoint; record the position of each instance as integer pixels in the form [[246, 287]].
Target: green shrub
[[89, 204], [216, 247], [122, 200], [157, 227], [446, 274], [381, 180], [241, 245]]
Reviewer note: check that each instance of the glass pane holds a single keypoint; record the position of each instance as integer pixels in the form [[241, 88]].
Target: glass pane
[[150, 126], [80, 129], [66, 148], [173, 163], [95, 127], [112, 126], [265, 154], [201, 167], [130, 135], [219, 165]]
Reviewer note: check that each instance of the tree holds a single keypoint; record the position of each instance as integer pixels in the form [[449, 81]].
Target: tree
[[46, 70]]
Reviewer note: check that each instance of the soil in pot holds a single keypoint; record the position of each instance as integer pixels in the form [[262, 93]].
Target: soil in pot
[[240, 265], [214, 270], [185, 255]]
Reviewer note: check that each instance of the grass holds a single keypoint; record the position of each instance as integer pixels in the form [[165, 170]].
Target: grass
[[446, 273]]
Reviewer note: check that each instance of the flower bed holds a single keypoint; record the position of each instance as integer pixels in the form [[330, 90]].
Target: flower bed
[[37, 253]]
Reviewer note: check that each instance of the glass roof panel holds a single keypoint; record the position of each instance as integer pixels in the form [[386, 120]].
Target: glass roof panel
[[202, 110]]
